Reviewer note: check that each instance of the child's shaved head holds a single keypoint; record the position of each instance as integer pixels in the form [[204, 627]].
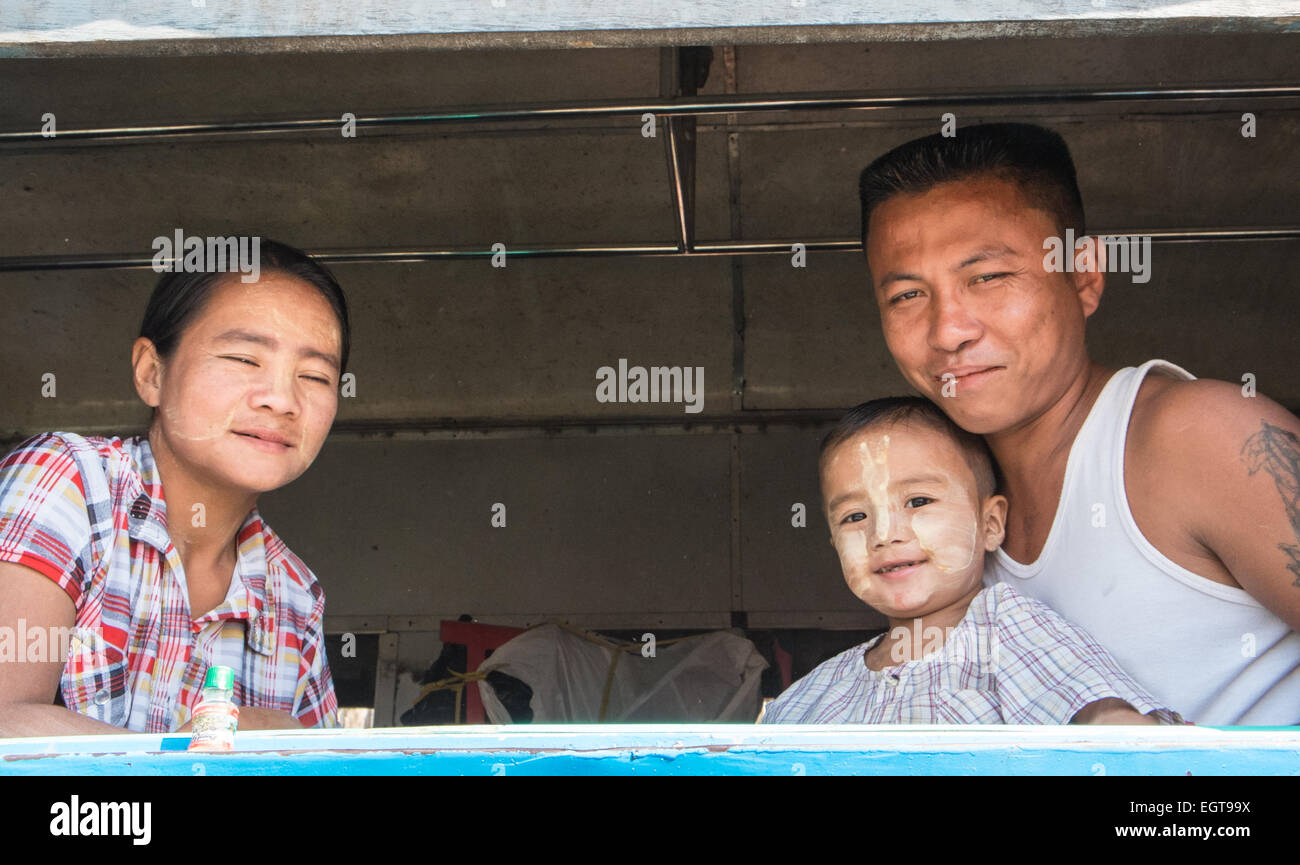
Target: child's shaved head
[[898, 409]]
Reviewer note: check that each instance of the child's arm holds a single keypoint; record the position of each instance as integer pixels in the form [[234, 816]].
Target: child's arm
[[1111, 710], [1050, 671]]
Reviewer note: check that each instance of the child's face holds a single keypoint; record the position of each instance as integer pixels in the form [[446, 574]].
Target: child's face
[[907, 520]]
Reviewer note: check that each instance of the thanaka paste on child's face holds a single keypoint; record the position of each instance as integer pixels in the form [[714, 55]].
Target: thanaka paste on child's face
[[883, 470]]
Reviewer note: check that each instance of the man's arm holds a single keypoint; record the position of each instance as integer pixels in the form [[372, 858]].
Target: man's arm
[[27, 688], [1227, 468]]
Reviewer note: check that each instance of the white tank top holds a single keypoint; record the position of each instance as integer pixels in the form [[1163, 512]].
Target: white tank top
[[1210, 652]]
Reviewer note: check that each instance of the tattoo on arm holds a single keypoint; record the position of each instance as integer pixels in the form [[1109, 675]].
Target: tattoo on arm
[[1277, 451]]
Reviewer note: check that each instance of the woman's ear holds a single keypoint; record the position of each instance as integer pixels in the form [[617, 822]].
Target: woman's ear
[[993, 518], [146, 369]]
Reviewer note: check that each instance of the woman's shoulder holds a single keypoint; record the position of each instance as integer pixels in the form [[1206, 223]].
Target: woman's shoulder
[[100, 473], [43, 447], [68, 453]]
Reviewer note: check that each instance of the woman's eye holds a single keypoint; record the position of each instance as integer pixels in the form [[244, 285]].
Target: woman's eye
[[918, 501]]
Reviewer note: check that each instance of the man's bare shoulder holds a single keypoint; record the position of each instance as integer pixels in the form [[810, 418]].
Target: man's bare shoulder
[[1176, 424], [1212, 471]]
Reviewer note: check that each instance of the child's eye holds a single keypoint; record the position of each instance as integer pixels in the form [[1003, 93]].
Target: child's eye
[[856, 516], [316, 378], [924, 500]]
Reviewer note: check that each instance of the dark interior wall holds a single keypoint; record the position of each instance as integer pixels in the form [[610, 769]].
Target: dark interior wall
[[476, 385]]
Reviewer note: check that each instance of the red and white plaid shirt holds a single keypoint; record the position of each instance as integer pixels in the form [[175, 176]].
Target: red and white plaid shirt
[[89, 513]]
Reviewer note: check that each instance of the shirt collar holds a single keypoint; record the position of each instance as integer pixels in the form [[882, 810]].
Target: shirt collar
[[148, 523], [148, 514]]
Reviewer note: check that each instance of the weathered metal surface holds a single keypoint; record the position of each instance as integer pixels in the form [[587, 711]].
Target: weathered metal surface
[[681, 750], [66, 27]]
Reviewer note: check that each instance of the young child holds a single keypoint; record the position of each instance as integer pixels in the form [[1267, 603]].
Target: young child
[[912, 510]]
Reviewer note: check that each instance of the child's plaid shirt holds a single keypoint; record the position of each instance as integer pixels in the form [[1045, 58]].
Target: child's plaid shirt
[[1011, 660]]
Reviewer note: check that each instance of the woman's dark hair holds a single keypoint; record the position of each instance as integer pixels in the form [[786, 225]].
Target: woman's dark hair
[[1036, 159], [179, 297], [897, 409]]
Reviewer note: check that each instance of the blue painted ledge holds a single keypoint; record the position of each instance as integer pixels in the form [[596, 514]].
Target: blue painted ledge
[[679, 749]]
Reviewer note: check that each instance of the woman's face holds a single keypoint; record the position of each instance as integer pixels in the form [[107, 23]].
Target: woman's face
[[249, 394]]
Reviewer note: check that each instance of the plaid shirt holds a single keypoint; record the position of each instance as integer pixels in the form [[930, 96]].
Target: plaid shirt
[[89, 514], [1011, 660]]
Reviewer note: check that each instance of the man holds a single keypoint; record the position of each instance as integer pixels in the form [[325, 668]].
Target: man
[[1159, 512]]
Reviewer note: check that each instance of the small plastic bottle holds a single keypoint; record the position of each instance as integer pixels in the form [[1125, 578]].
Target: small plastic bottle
[[216, 717]]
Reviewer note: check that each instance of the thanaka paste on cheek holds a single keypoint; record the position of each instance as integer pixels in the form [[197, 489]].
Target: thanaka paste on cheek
[[947, 531], [176, 426], [852, 549]]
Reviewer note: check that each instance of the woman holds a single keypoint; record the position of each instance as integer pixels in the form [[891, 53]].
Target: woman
[[148, 553]]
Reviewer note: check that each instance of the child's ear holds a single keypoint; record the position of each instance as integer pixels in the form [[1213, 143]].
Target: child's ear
[[993, 517]]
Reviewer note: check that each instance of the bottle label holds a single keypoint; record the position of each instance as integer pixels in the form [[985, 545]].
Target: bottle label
[[213, 727]]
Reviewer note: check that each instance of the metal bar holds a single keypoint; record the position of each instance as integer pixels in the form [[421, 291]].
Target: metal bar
[[670, 83], [691, 106], [683, 203], [126, 261]]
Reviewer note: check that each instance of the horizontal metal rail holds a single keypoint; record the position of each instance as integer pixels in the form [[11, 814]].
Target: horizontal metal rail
[[127, 261], [689, 106]]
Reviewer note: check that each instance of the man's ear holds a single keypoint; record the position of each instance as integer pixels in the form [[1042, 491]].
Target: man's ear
[[1089, 284], [993, 516], [146, 369]]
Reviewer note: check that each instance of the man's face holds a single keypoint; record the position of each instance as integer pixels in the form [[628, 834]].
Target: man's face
[[906, 518], [250, 392], [969, 313]]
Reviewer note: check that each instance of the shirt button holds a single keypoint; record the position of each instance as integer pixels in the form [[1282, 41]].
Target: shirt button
[[101, 697]]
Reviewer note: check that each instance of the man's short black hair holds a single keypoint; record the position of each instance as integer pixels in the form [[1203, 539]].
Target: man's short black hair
[[1034, 158], [899, 409]]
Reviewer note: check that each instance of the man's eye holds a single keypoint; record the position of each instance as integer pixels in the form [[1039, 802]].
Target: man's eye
[[238, 359], [317, 378], [989, 277], [923, 501], [904, 295]]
